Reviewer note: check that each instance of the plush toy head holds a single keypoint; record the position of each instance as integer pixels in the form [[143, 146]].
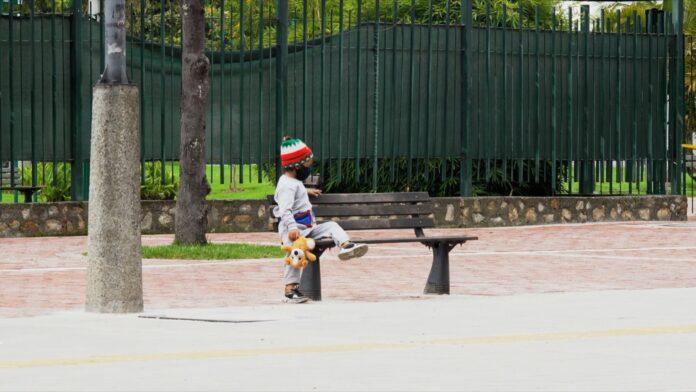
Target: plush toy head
[[299, 252]]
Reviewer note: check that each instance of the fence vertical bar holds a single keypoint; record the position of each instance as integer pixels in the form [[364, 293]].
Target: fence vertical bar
[[617, 138], [570, 100], [503, 131], [357, 94], [634, 145], [223, 71], [142, 89], [395, 15], [554, 107], [54, 97], [10, 56], [242, 91], [341, 128], [537, 95], [650, 175], [162, 94], [32, 97], [465, 165], [1, 122], [428, 92], [445, 128], [678, 93], [20, 42], [375, 110], [520, 98], [281, 74], [411, 92], [322, 87], [259, 157], [586, 164]]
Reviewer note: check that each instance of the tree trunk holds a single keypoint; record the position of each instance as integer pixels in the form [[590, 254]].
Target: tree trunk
[[191, 209]]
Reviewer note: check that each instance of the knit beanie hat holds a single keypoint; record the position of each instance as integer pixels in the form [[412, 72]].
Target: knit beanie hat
[[293, 153]]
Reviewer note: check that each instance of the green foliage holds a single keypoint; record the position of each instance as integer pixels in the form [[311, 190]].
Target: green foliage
[[158, 185], [627, 11], [440, 177], [212, 252], [56, 177], [255, 14]]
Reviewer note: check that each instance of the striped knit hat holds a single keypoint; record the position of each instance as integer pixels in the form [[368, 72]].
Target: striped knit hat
[[293, 153]]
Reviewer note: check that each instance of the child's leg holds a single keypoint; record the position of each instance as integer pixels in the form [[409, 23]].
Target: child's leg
[[330, 229], [349, 250]]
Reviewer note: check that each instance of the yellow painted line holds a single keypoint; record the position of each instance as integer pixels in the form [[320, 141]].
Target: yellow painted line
[[689, 146], [354, 347]]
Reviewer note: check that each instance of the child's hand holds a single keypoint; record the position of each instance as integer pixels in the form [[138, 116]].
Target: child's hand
[[314, 192], [293, 235]]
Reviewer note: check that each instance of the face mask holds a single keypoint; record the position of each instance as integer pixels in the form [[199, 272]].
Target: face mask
[[303, 173]]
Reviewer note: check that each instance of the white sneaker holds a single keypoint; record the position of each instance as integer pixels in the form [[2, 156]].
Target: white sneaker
[[352, 250]]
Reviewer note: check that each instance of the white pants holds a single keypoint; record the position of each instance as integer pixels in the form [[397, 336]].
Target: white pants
[[324, 230]]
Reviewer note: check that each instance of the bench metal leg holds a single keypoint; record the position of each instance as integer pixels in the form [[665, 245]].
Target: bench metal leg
[[310, 282], [438, 280]]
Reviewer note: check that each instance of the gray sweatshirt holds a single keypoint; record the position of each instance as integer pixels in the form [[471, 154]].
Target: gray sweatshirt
[[291, 197]]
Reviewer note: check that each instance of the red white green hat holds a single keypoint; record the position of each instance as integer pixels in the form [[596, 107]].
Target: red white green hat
[[293, 153]]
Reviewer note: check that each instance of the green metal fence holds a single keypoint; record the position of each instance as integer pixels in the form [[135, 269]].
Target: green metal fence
[[527, 94]]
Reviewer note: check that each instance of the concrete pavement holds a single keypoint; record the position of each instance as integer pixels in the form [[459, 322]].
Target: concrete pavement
[[591, 341]]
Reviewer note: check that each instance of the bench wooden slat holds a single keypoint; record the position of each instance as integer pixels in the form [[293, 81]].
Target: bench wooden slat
[[372, 209], [325, 243], [366, 198], [378, 224], [352, 198]]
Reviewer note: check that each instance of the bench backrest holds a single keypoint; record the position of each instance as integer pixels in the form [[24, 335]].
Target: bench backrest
[[375, 211]]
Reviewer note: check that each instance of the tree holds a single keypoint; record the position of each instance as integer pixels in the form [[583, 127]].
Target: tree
[[191, 209]]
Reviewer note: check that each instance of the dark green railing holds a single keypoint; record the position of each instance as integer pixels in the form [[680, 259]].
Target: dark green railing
[[545, 94]]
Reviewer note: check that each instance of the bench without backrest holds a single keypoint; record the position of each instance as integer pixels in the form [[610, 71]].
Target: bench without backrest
[[382, 211]]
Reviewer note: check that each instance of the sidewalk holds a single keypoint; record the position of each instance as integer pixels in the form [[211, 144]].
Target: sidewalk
[[44, 275]]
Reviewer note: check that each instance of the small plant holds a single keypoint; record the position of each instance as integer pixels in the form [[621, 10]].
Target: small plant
[[158, 185], [56, 177]]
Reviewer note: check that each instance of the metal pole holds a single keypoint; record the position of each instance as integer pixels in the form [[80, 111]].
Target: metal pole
[[115, 36], [465, 176], [78, 188], [282, 72]]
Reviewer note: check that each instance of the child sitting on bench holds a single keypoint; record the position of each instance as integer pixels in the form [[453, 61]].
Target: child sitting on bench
[[294, 212]]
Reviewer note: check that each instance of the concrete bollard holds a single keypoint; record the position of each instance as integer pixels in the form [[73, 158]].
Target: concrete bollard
[[114, 273]]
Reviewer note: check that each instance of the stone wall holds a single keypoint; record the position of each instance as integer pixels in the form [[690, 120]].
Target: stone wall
[[53, 219], [70, 218], [517, 211]]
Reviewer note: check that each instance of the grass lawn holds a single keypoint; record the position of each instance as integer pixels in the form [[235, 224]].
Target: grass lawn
[[623, 187], [212, 252], [249, 190]]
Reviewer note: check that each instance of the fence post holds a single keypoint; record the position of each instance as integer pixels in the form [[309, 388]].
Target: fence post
[[281, 74], [78, 186], [677, 116], [587, 180], [465, 168]]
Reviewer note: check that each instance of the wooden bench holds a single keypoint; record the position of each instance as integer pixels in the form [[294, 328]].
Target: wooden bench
[[381, 211]]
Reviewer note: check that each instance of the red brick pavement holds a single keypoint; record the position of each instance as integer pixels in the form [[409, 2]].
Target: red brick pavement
[[40, 275]]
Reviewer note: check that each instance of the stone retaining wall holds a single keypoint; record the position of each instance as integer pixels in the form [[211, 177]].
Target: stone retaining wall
[[517, 211], [70, 218]]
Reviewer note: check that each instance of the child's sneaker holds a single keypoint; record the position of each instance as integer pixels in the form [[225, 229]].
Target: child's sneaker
[[294, 296], [352, 250]]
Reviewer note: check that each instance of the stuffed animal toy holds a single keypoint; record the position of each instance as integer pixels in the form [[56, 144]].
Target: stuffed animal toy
[[299, 252]]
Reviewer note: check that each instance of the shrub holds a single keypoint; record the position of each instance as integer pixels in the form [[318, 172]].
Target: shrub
[[156, 186]]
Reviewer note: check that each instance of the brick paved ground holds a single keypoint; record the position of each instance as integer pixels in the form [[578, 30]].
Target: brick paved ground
[[42, 275]]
